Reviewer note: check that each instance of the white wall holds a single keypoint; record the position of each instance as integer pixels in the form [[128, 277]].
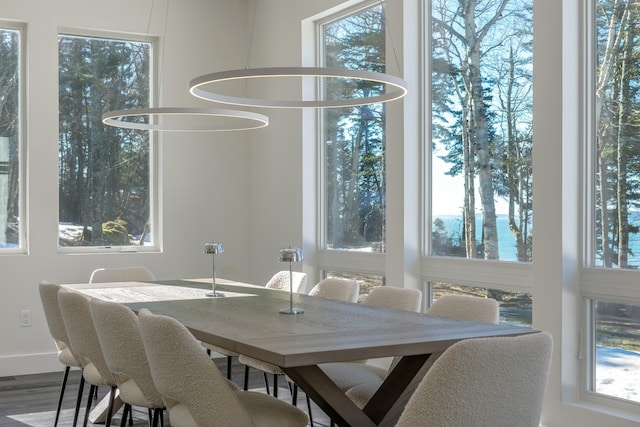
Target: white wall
[[204, 186]]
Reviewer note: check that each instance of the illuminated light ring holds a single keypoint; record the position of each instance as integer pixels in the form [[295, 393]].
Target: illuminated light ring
[[399, 85], [253, 120]]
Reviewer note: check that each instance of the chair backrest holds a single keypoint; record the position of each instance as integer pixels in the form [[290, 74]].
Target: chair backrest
[[191, 385], [338, 289], [49, 298], [280, 281], [121, 274], [121, 342], [398, 298], [76, 313], [466, 307], [484, 382]]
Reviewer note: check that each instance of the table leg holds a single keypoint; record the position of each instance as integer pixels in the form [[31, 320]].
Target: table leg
[[326, 394], [384, 407], [387, 404]]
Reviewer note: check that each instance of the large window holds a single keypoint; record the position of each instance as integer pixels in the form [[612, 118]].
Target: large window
[[10, 137], [613, 211], [481, 129], [104, 172], [354, 138]]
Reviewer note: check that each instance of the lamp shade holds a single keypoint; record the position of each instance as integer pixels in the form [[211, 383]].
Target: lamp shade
[[213, 248], [290, 254]]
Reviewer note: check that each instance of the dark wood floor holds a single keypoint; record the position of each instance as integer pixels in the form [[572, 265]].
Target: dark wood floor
[[31, 400]]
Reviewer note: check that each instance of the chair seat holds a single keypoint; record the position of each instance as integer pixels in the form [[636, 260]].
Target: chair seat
[[92, 376], [259, 364], [361, 393], [131, 394], [67, 358], [347, 375]]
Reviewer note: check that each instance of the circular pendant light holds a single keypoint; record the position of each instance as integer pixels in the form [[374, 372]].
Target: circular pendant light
[[397, 86], [191, 119]]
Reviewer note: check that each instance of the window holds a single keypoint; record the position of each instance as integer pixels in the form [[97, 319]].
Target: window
[[613, 203], [481, 129], [105, 182], [354, 138], [11, 219]]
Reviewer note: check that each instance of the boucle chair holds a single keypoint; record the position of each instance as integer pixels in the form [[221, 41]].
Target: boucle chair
[[49, 297], [337, 289], [347, 375], [466, 307], [76, 313], [462, 307], [484, 382], [123, 349], [121, 274], [194, 390], [280, 281]]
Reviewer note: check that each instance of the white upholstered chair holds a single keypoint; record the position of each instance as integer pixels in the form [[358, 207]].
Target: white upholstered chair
[[462, 307], [83, 339], [280, 281], [123, 349], [337, 289], [466, 307], [194, 390], [484, 382], [49, 298], [121, 274]]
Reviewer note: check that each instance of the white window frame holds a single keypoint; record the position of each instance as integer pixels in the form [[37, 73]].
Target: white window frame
[[23, 244], [612, 285], [154, 170], [338, 260], [503, 275]]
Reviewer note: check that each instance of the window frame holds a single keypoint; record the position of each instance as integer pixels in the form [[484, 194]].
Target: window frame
[[154, 152], [596, 283], [23, 243], [337, 259]]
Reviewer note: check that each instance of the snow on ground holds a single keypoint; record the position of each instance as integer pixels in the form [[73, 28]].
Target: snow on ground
[[618, 373]]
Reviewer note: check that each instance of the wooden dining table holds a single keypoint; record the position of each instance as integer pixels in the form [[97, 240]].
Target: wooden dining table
[[247, 320]]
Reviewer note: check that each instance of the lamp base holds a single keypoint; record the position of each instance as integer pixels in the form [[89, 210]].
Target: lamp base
[[215, 294], [292, 310]]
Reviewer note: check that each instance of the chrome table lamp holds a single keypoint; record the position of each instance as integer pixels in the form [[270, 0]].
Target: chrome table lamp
[[291, 255], [214, 248]]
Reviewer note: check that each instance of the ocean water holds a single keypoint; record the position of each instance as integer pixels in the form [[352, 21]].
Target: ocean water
[[506, 242]]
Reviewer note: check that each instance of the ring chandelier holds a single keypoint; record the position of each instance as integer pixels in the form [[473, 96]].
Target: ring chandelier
[[240, 120], [398, 85]]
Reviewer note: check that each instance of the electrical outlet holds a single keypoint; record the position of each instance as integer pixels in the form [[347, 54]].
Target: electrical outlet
[[25, 318]]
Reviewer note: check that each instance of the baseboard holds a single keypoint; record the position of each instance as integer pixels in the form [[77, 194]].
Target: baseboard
[[27, 364]]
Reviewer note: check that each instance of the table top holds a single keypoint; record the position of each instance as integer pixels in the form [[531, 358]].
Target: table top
[[247, 321]]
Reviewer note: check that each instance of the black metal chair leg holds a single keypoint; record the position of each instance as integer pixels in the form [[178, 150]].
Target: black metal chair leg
[[294, 395], [229, 363], [78, 400], [89, 401], [125, 412], [266, 382], [62, 387], [275, 385], [246, 377]]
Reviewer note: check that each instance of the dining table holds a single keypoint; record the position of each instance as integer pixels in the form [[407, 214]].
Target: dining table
[[247, 320]]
